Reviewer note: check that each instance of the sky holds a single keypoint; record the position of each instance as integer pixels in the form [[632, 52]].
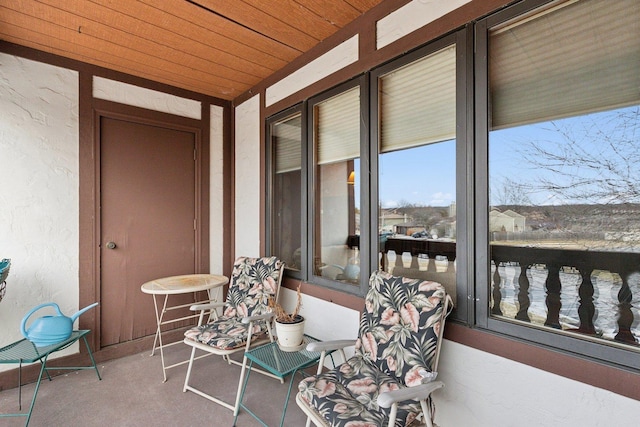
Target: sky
[[601, 149], [424, 176], [592, 158]]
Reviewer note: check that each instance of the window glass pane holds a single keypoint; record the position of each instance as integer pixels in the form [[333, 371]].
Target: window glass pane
[[337, 184], [417, 169], [287, 191], [564, 185]]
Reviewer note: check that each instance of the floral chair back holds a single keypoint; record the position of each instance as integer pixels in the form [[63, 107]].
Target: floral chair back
[[396, 352], [253, 281], [399, 326]]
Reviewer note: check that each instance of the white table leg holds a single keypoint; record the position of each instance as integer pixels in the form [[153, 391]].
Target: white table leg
[[158, 337]]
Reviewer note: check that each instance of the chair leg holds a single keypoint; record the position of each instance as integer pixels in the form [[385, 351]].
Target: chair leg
[[186, 379], [426, 413], [392, 414], [240, 384]]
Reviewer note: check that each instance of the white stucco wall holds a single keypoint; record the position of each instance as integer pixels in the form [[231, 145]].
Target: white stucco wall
[[247, 178], [410, 17], [39, 196], [136, 96], [486, 390], [335, 59], [326, 320], [216, 195]]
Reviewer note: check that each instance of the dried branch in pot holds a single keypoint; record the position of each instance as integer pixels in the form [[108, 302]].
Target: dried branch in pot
[[281, 314]]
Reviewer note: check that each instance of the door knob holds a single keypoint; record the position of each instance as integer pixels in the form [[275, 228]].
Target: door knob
[[111, 245]]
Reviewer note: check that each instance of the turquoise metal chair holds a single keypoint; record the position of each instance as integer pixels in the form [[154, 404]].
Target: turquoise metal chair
[[24, 351]]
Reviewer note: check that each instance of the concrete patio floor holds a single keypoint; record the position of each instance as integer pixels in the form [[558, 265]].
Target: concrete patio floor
[[132, 393]]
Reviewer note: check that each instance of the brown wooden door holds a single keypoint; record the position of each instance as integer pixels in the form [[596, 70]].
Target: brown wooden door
[[148, 210]]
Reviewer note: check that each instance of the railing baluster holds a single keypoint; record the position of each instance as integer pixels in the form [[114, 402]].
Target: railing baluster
[[605, 304], [626, 315], [552, 300], [586, 310], [497, 295], [523, 292]]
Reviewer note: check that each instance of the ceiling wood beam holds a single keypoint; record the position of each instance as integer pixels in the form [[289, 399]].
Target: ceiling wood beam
[[260, 22]]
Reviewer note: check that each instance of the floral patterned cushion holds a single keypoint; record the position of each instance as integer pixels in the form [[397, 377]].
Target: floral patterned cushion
[[347, 396], [397, 339], [400, 324], [226, 333], [253, 281]]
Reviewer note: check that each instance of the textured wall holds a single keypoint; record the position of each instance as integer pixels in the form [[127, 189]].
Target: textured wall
[[337, 58], [39, 195], [485, 390], [412, 16], [216, 195], [247, 178], [128, 94]]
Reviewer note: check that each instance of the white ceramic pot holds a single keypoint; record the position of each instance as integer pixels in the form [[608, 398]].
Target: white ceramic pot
[[290, 335]]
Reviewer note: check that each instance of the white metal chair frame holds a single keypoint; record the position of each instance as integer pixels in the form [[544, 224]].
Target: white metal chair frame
[[211, 308]]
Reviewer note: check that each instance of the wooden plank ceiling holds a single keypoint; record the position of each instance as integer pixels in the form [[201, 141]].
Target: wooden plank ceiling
[[220, 48]]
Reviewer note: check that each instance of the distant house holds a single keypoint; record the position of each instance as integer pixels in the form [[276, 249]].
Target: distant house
[[389, 218], [506, 221]]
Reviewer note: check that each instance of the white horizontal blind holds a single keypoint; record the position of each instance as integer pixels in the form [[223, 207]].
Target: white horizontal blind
[[337, 122], [418, 102], [571, 59], [287, 137]]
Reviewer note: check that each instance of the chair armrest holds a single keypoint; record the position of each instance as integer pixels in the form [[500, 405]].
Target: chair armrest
[[207, 306], [418, 392], [265, 316], [330, 345]]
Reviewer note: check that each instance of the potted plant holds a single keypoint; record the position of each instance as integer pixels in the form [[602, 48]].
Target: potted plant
[[289, 326]]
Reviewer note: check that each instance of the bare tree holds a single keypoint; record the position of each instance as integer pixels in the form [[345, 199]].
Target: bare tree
[[598, 161], [510, 193]]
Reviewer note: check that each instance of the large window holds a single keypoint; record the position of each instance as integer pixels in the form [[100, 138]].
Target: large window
[[500, 160], [336, 188], [285, 132], [563, 179], [417, 168]]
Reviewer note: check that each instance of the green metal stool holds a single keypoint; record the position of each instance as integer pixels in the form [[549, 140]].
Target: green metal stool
[[279, 363], [24, 351]]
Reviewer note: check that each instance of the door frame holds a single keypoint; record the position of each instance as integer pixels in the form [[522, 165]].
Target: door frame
[[90, 221]]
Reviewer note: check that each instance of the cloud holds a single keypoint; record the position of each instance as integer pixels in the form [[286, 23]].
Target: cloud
[[440, 199]]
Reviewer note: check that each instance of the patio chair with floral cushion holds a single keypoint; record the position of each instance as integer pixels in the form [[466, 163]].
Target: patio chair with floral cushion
[[390, 378], [245, 321]]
